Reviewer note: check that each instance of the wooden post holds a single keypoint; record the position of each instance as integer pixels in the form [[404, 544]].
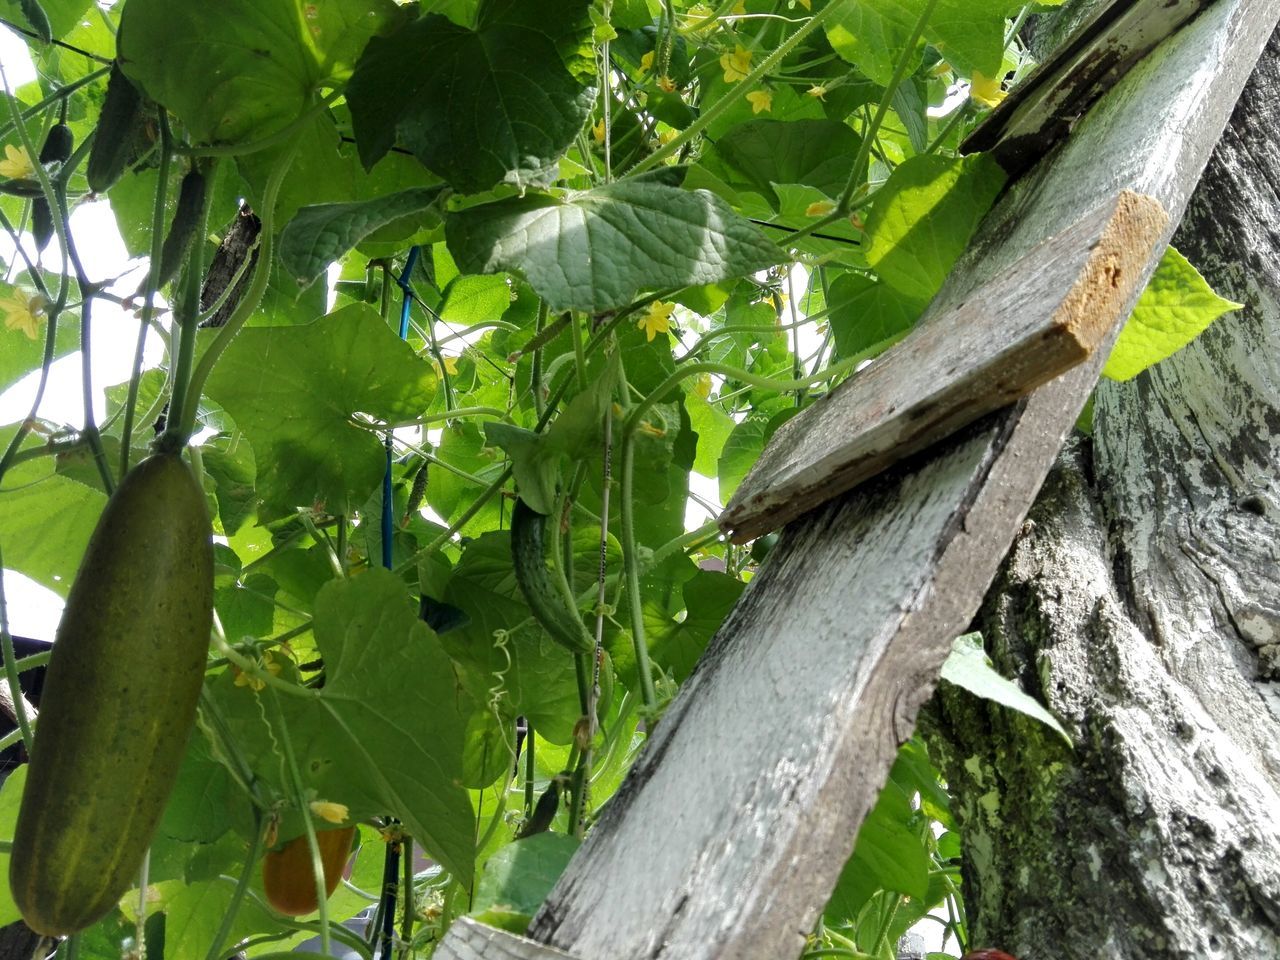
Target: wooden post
[[730, 831]]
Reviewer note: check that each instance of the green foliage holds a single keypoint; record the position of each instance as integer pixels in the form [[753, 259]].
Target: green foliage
[[565, 308], [1176, 306]]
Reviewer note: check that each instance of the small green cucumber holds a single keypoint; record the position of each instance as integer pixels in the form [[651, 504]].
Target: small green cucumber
[[113, 144], [186, 221], [119, 700], [547, 601], [57, 144]]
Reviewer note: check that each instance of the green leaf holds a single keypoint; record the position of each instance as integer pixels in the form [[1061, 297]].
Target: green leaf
[[888, 856], [47, 520], [384, 735], [10, 797], [199, 809], [518, 878], [320, 234], [924, 216], [866, 312], [295, 392], [708, 598], [39, 20], [193, 913], [597, 250], [470, 299], [1176, 306], [497, 104], [969, 667], [241, 69], [873, 34], [740, 453], [817, 153], [713, 427]]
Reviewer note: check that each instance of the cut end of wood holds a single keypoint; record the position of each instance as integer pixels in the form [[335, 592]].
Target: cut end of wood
[[1119, 261], [1049, 312]]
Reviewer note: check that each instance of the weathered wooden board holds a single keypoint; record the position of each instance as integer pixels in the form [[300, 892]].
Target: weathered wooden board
[[1045, 314], [470, 940], [725, 840], [1039, 111]]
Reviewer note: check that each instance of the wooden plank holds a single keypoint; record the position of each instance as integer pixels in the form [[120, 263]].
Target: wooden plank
[[1040, 110], [1044, 315], [468, 939], [727, 836]]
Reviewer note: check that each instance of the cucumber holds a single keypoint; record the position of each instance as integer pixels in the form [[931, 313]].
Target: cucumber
[[186, 221], [57, 144], [113, 144], [287, 878], [548, 601], [119, 700]]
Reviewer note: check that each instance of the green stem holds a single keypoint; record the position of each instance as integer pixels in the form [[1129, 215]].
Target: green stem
[[631, 570], [237, 895], [181, 420], [11, 670], [717, 109], [694, 538], [304, 808], [60, 94], [535, 374], [746, 376], [530, 769], [253, 296], [148, 297]]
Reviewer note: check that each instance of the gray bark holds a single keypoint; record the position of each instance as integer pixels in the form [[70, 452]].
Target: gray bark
[[1142, 604]]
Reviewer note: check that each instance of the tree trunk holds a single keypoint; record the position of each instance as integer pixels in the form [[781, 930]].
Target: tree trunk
[[1141, 602]]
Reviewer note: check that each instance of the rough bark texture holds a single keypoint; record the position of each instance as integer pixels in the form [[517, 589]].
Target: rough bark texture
[[1142, 604]]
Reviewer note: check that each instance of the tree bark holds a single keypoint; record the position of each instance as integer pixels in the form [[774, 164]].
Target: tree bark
[[1142, 604]]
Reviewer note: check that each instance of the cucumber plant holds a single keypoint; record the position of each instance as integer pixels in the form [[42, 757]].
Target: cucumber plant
[[616, 270]]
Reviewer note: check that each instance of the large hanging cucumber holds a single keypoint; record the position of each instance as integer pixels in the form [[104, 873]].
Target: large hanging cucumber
[[119, 700], [113, 144]]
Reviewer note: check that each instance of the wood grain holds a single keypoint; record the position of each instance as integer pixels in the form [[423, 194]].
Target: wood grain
[[1044, 315], [468, 939], [728, 835], [1040, 110]]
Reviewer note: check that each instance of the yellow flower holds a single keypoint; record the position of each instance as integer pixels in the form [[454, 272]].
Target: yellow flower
[[807, 4], [761, 101], [329, 812], [450, 366], [986, 90], [736, 65], [23, 311], [739, 9], [819, 208], [702, 385], [254, 682], [17, 163], [817, 91], [648, 429], [656, 320], [666, 84], [646, 62], [597, 131]]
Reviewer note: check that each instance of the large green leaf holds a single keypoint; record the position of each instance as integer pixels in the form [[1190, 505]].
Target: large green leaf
[[596, 250], [817, 153], [677, 645], [384, 735], [924, 216], [240, 69], [61, 16], [320, 234], [10, 797], [518, 878], [873, 34], [295, 392], [969, 667], [1174, 309], [888, 856], [45, 520], [867, 312], [497, 104]]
